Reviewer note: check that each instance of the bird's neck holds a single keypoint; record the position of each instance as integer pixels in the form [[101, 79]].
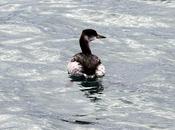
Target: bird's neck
[[84, 44]]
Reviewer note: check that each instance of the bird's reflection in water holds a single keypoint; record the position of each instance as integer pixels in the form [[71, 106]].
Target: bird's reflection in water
[[92, 88]]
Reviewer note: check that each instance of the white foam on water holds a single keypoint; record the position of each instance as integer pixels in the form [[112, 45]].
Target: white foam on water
[[161, 3], [20, 123], [120, 20], [14, 29], [5, 117], [9, 7], [134, 44], [15, 109], [16, 41], [46, 55]]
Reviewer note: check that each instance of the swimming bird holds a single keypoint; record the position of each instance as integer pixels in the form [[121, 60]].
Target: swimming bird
[[85, 63]]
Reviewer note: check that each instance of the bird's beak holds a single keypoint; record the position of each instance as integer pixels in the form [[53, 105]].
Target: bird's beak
[[100, 36]]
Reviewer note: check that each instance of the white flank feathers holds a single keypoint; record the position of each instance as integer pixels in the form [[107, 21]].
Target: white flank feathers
[[100, 70], [74, 69]]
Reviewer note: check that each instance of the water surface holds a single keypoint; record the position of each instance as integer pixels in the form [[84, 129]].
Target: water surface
[[38, 38]]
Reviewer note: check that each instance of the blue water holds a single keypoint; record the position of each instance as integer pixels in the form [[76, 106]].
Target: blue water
[[39, 37]]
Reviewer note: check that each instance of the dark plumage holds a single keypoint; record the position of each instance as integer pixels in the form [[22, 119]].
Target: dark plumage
[[89, 62]]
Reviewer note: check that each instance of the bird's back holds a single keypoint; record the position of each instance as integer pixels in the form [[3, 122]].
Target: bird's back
[[88, 62]]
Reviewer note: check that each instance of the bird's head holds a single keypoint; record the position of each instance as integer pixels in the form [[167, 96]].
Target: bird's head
[[90, 35]]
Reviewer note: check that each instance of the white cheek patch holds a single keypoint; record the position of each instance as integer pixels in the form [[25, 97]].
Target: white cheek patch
[[86, 38], [89, 39]]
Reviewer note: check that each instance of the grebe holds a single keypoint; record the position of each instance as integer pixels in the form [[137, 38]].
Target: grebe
[[85, 63]]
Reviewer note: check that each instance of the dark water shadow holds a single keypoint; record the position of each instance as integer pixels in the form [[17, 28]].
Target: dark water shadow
[[41, 114], [92, 88], [80, 122]]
